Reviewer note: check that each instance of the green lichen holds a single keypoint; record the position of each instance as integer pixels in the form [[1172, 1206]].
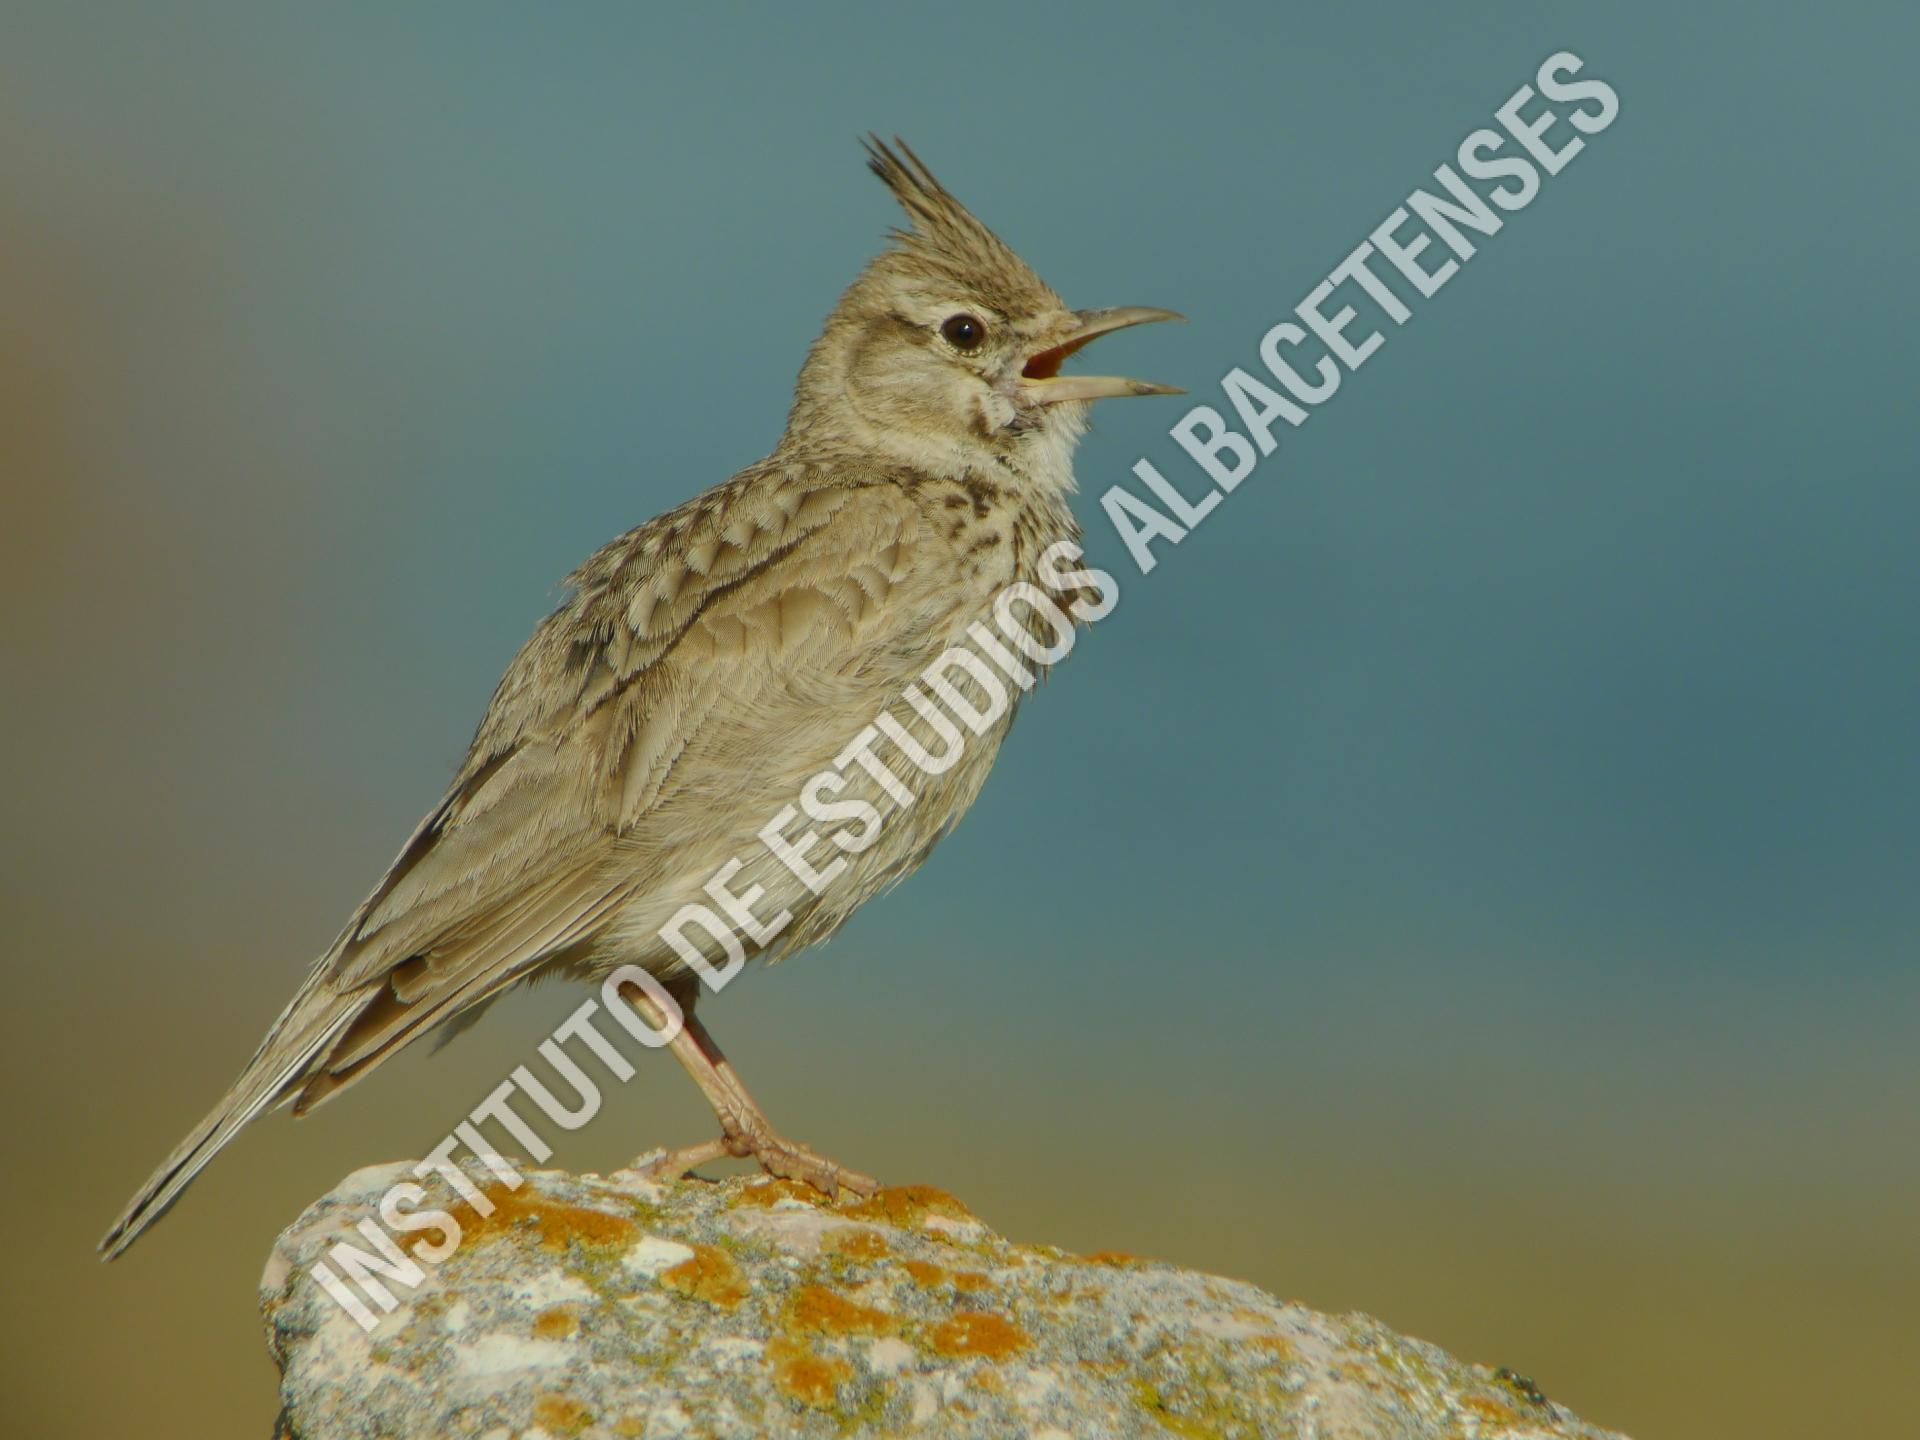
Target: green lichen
[[1224, 1391], [869, 1413]]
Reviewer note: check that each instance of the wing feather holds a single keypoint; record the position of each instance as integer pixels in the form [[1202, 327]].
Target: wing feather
[[699, 664], [649, 696]]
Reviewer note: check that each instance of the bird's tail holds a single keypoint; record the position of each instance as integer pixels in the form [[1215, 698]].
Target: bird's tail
[[303, 1033]]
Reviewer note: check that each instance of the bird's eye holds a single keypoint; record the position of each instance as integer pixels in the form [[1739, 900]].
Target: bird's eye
[[963, 332]]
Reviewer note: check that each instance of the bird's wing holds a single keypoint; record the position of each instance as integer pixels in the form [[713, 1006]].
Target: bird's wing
[[659, 716], [699, 671]]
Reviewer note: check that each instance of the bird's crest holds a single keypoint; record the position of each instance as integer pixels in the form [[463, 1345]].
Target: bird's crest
[[943, 233]]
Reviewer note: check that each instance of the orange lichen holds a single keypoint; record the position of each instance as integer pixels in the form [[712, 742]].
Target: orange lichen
[[855, 1242], [1114, 1257], [764, 1193], [971, 1280], [556, 1322], [924, 1273], [710, 1275], [978, 1332], [907, 1205], [1490, 1411], [816, 1308], [561, 1415], [554, 1222], [1279, 1346], [805, 1375]]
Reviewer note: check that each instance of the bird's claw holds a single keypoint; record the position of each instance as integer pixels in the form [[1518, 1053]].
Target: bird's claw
[[790, 1161], [778, 1156]]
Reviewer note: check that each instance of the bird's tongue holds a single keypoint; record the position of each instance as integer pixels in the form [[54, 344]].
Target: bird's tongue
[[1046, 364]]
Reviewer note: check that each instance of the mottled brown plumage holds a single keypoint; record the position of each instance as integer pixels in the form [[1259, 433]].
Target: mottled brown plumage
[[706, 665]]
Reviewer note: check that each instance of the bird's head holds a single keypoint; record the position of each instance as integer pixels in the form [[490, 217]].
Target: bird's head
[[947, 350]]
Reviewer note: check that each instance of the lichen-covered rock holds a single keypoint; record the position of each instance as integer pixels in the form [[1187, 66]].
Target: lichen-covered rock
[[619, 1307]]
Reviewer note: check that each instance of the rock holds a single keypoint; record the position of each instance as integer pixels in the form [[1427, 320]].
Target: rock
[[619, 1307]]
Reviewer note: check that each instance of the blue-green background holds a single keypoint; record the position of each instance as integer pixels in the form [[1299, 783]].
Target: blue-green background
[[1472, 880]]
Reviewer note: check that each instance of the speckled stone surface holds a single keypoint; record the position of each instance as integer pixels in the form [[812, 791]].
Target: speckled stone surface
[[618, 1307]]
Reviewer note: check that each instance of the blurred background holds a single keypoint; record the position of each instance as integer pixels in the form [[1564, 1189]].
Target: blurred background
[[1472, 880]]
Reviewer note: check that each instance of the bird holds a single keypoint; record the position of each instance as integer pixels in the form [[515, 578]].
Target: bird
[[702, 666]]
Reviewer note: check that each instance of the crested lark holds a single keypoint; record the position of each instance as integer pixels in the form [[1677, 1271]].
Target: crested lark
[[706, 666]]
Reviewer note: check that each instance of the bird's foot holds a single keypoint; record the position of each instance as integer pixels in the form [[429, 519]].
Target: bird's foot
[[775, 1154], [658, 1164], [790, 1160]]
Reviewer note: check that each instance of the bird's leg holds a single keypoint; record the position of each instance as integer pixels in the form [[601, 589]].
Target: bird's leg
[[745, 1130]]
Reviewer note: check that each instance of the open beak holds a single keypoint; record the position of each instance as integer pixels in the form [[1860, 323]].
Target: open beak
[[1040, 378]]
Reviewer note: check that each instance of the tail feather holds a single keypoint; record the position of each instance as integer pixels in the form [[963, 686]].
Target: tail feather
[[304, 1032]]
